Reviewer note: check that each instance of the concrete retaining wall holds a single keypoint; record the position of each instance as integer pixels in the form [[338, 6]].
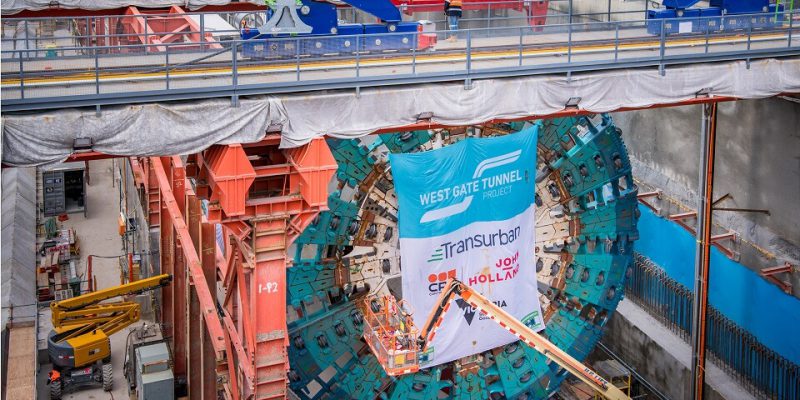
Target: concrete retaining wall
[[757, 163], [662, 357]]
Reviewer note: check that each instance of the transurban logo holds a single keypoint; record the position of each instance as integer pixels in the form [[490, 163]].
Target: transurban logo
[[450, 249], [509, 267]]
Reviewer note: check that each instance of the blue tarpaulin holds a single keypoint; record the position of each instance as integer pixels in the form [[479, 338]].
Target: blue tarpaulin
[[740, 294]]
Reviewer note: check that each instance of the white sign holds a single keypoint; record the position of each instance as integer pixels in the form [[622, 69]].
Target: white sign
[[467, 211]]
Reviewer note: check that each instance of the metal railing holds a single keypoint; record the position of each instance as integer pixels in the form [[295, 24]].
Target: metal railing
[[759, 369], [129, 73], [51, 33]]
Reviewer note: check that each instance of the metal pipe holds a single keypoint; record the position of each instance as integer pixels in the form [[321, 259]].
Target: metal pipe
[[702, 250], [130, 268], [520, 46], [96, 72], [21, 76], [166, 66], [745, 210], [89, 275], [570, 11]]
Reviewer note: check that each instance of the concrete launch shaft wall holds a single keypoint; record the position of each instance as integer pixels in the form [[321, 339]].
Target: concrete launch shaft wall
[[757, 163]]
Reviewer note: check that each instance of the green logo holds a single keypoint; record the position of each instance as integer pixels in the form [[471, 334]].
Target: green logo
[[437, 255], [533, 320]]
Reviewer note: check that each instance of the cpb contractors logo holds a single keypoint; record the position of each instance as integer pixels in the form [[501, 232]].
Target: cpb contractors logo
[[436, 282]]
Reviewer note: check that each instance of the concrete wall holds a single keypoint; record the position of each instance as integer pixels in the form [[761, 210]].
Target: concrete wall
[[757, 163], [662, 357], [626, 10], [139, 243]]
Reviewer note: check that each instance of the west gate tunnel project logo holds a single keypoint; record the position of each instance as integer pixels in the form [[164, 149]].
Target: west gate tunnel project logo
[[493, 186]]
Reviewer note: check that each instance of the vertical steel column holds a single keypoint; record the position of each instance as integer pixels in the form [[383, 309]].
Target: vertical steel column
[[702, 252], [167, 244], [180, 256], [208, 253], [194, 330], [260, 216], [268, 299], [180, 273]]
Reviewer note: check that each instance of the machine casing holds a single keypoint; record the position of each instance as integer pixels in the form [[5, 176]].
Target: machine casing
[[154, 378], [722, 15], [328, 36]]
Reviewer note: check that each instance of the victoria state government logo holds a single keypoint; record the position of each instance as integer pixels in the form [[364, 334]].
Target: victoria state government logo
[[469, 311]]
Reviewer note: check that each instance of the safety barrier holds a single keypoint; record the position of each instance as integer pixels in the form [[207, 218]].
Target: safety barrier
[[759, 369], [130, 73]]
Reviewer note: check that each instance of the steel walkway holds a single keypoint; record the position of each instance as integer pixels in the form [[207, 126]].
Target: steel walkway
[[125, 74]]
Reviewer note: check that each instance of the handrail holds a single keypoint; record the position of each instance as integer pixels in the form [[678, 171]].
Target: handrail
[[612, 45]]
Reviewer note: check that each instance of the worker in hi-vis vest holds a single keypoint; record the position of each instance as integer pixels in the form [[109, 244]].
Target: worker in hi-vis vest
[[452, 9]]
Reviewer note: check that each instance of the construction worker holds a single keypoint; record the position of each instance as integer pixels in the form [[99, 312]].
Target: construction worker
[[53, 376], [452, 9]]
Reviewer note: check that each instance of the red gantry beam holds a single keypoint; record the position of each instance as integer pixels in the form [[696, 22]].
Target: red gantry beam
[[153, 27]]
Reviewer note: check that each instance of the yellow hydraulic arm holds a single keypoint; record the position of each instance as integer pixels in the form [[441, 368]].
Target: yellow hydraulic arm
[[82, 314], [455, 287]]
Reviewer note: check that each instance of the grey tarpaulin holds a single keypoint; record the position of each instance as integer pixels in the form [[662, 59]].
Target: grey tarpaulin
[[166, 129], [18, 290], [15, 6]]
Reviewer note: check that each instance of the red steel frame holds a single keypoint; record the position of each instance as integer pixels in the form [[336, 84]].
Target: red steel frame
[[769, 274], [176, 27], [536, 10], [263, 198]]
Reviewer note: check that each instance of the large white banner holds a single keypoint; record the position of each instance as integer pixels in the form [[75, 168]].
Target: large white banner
[[467, 211]]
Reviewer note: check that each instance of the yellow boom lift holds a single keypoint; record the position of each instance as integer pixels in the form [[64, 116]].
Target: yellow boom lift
[[78, 345], [392, 337]]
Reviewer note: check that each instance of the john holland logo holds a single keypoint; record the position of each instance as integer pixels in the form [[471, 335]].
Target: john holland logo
[[436, 282], [508, 269]]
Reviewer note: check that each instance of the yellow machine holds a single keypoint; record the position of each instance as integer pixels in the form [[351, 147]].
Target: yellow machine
[[78, 345], [390, 334]]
